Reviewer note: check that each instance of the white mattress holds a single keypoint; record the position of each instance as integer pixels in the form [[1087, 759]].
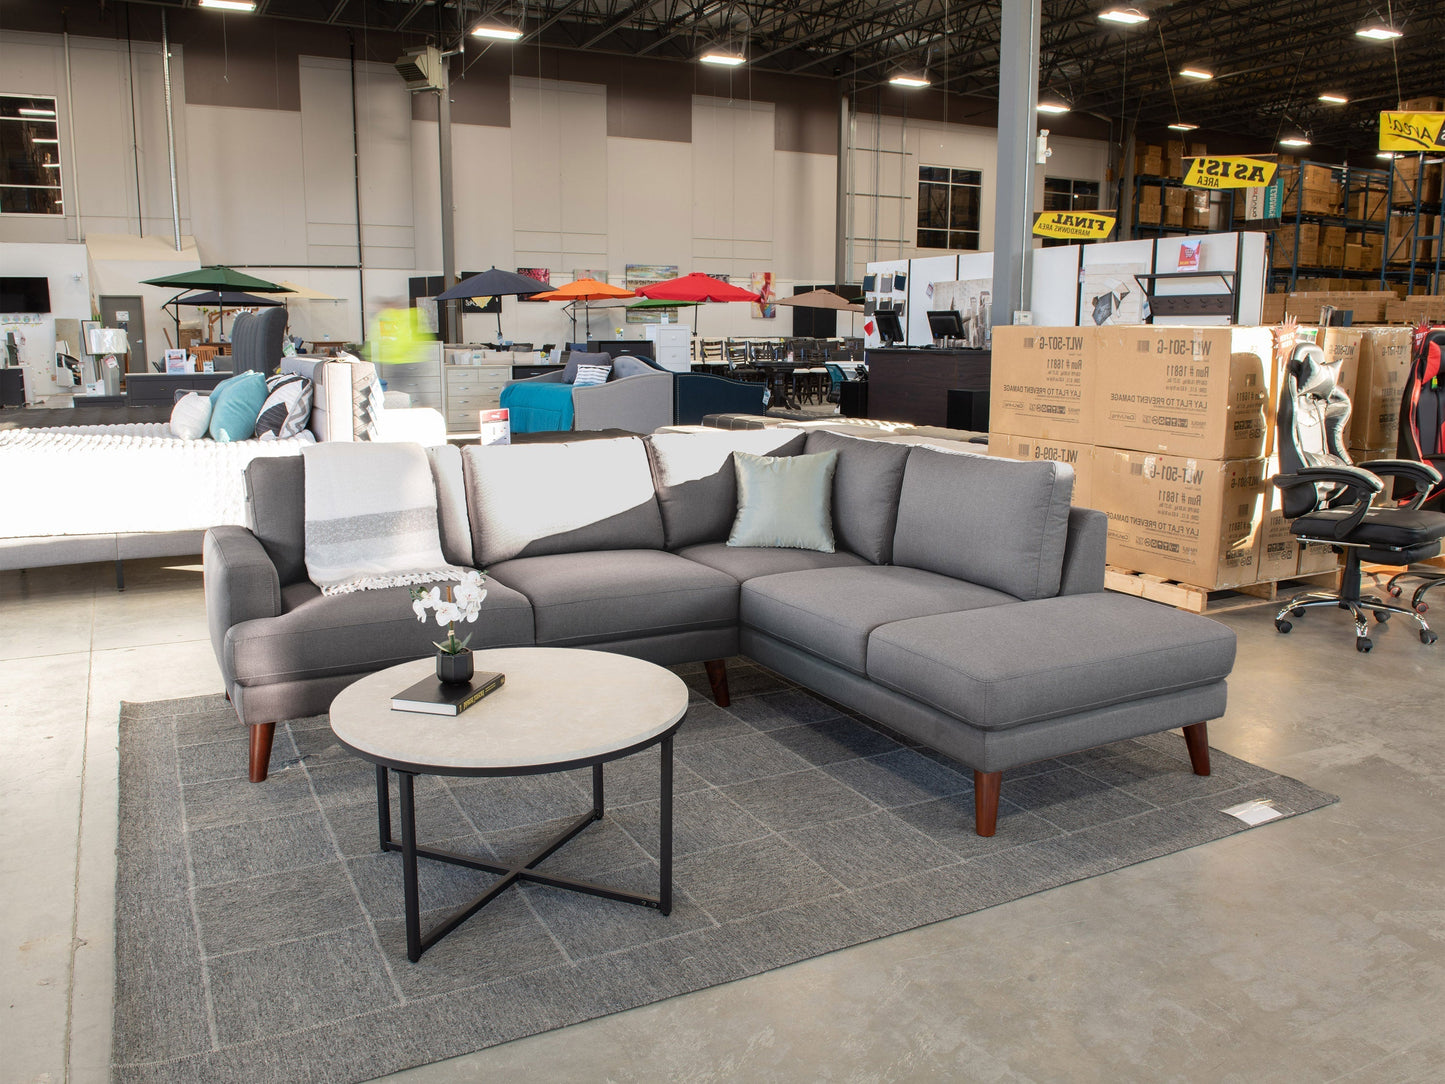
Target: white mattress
[[99, 479]]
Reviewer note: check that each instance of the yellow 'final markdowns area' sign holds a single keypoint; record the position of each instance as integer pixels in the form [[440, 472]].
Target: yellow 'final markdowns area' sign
[[1074, 225], [1411, 131], [1229, 173]]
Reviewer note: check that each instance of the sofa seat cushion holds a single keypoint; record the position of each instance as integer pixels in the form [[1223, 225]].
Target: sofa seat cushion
[[830, 612], [745, 562], [1048, 657], [358, 633], [595, 597]]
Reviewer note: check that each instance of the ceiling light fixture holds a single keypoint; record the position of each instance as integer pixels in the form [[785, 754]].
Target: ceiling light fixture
[[496, 32], [229, 5], [910, 79], [724, 58], [1378, 32], [25, 111], [41, 139], [1124, 16], [1294, 141], [1334, 99], [51, 165], [1053, 105], [1183, 126], [1388, 156], [1191, 72]]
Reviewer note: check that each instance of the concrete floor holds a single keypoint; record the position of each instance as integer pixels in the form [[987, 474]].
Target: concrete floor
[[1313, 949]]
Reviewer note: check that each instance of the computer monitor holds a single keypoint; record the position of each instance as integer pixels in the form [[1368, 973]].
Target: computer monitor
[[945, 324], [890, 327]]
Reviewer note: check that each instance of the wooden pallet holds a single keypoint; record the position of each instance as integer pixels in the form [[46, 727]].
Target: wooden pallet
[[1199, 600]]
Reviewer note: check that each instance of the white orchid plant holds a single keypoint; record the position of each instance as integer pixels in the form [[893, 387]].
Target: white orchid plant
[[462, 603]]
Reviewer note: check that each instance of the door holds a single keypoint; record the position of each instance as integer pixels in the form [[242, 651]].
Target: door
[[128, 311]]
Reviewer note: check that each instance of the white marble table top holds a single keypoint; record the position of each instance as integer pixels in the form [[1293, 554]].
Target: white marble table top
[[558, 705]]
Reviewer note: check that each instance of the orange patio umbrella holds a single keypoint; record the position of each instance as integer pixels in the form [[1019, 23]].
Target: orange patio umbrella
[[583, 290]]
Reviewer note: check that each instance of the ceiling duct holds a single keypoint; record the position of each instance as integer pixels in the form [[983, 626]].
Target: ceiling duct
[[421, 68]]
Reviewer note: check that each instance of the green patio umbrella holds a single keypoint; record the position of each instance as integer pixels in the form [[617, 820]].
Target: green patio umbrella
[[213, 277]]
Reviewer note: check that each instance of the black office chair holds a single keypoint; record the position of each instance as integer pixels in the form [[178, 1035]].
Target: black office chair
[[1422, 438], [1328, 499]]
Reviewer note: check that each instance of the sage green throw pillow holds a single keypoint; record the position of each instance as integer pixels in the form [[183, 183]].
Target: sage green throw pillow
[[785, 501]]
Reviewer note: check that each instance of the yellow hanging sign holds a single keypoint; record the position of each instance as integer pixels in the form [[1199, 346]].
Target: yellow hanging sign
[[1075, 225], [1411, 131], [1213, 172]]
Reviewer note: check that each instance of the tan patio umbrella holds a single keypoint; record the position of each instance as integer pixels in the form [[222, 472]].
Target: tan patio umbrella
[[821, 299]]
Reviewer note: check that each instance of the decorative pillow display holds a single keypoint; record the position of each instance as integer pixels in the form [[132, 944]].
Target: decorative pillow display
[[287, 408], [234, 406], [191, 416], [588, 375], [578, 358], [785, 502]]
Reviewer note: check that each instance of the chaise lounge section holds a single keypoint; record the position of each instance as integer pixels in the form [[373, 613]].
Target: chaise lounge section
[[961, 604]]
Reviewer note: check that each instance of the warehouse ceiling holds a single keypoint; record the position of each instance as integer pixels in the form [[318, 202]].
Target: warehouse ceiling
[[1271, 59]]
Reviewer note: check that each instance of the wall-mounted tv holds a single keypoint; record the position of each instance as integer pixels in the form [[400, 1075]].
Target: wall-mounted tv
[[24, 294]]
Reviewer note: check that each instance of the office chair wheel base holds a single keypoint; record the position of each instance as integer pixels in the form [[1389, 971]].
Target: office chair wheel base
[[1427, 636], [1381, 616], [1421, 607], [1283, 625], [1297, 612], [1363, 644], [1395, 591]]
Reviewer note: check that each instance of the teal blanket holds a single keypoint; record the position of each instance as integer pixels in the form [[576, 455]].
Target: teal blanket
[[538, 408]]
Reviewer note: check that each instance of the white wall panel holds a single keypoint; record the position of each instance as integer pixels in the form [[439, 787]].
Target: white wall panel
[[559, 179], [805, 193], [647, 220], [327, 164], [733, 188]]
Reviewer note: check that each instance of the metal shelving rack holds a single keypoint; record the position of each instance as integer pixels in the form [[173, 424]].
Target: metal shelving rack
[[1415, 271], [1353, 182], [1160, 229]]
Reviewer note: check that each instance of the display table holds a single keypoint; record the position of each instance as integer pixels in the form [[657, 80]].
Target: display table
[[912, 385], [560, 709]]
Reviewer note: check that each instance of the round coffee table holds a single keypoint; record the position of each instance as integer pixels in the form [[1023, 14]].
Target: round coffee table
[[560, 709]]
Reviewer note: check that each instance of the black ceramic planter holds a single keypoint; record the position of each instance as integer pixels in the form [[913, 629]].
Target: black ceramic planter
[[455, 669]]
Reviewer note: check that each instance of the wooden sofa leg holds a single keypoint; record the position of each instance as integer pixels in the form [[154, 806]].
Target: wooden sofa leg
[[261, 735], [1196, 739], [717, 677], [985, 801]]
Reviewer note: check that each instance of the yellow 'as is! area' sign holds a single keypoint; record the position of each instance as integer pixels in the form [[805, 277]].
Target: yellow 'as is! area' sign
[[1075, 225], [1229, 173], [1411, 131]]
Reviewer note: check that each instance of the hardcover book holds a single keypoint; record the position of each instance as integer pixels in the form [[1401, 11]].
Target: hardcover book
[[440, 698]]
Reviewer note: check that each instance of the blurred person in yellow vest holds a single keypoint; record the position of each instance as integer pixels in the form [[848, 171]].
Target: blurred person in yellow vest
[[396, 336]]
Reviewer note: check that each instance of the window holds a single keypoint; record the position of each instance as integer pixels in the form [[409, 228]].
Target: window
[[949, 207], [29, 157], [1063, 194]]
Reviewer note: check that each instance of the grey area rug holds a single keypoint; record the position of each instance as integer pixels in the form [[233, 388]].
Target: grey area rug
[[259, 933]]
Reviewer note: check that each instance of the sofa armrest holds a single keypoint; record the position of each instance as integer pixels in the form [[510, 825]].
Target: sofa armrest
[[639, 403], [1084, 552], [241, 584], [419, 425]]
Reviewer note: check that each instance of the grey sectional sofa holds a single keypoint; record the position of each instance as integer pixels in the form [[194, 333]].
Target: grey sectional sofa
[[963, 606]]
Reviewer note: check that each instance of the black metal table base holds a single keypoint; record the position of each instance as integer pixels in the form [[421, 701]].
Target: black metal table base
[[523, 870]]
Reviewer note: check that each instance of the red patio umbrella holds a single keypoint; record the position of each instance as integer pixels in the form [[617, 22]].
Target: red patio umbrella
[[696, 287]]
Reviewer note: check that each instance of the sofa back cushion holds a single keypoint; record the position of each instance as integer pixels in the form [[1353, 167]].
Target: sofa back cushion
[[526, 500], [994, 522], [579, 358], [697, 487], [276, 509], [866, 486]]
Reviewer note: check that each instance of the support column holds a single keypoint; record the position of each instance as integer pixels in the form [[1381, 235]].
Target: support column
[[450, 316], [841, 270], [1014, 191]]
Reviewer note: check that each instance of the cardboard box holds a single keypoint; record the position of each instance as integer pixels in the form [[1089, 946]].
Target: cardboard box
[[1278, 548], [1150, 214], [1371, 204], [1195, 521], [1315, 557], [1196, 209], [1379, 383], [1043, 381], [1179, 390], [1342, 344], [1078, 456]]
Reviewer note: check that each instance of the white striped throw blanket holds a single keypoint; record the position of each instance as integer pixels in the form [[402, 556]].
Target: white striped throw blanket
[[371, 518]]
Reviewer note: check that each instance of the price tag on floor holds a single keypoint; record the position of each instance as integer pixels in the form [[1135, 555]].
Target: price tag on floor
[[1256, 812]]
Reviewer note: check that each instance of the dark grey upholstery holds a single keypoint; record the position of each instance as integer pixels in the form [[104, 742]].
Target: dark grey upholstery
[[240, 585], [256, 339], [358, 633], [995, 522], [745, 562], [697, 487], [276, 511], [832, 611], [1048, 657], [866, 486], [592, 597]]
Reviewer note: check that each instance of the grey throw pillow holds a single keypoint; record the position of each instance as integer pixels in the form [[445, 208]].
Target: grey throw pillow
[[581, 357], [785, 502]]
